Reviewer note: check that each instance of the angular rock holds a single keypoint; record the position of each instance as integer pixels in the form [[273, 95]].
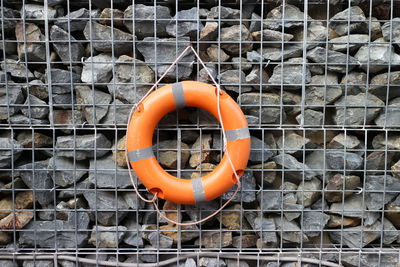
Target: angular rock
[[63, 234], [247, 193], [233, 80], [202, 143], [340, 185], [351, 42], [316, 162], [167, 51], [137, 76], [390, 116], [31, 46], [379, 85], [83, 146], [289, 231], [112, 16], [10, 151], [244, 241], [231, 37], [209, 32], [38, 89], [18, 219], [16, 69], [9, 17], [106, 204], [216, 54], [118, 152], [65, 45], [76, 190], [338, 62], [308, 192], [20, 119], [316, 34], [294, 168], [337, 221], [97, 69], [357, 237], [352, 110], [313, 222], [38, 263], [264, 173], [94, 103], [132, 236], [340, 160], [378, 161], [270, 110], [105, 173], [37, 140], [36, 12], [391, 31], [10, 96], [74, 21], [290, 74], [342, 140], [68, 117], [144, 17], [241, 63], [118, 114], [211, 262], [103, 40], [65, 171], [393, 211], [216, 239], [396, 169], [264, 227], [62, 81], [272, 36], [355, 82], [36, 176], [107, 237], [35, 108], [279, 54], [160, 241], [189, 232], [323, 90], [184, 23], [376, 56], [311, 118], [375, 187], [340, 21], [372, 260], [291, 15], [227, 15], [390, 233], [392, 141], [291, 143]]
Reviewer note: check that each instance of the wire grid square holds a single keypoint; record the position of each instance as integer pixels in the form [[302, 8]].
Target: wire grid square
[[321, 103]]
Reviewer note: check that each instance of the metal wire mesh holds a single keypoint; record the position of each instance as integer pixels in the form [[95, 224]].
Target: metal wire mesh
[[317, 80]]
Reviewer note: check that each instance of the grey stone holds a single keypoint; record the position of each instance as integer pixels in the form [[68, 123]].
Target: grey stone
[[390, 233], [264, 227], [378, 161], [35, 108], [270, 201], [211, 262], [63, 234], [31, 46], [391, 31], [289, 231], [270, 110], [209, 32], [76, 190], [9, 17], [66, 171], [36, 176], [74, 21], [392, 141], [291, 15], [317, 34], [375, 187], [118, 113], [82, 146], [16, 69], [133, 235], [8, 263], [227, 15], [311, 118], [343, 140], [292, 102], [294, 169], [338, 62], [184, 23], [38, 89], [105, 173], [143, 16], [254, 56], [106, 204], [205, 77], [385, 85], [167, 51], [341, 185], [351, 42], [292, 74], [159, 240], [62, 81], [353, 109], [21, 119], [340, 160], [36, 12], [275, 37], [308, 192], [241, 63], [215, 54], [372, 260], [247, 192], [68, 117], [291, 143], [259, 151], [376, 56], [313, 222], [10, 151], [38, 263], [103, 40], [279, 54], [65, 45], [292, 210], [231, 36], [255, 23], [136, 74], [257, 77], [94, 103], [234, 80], [11, 96], [107, 237], [355, 82], [323, 90], [97, 69], [340, 21], [357, 237]]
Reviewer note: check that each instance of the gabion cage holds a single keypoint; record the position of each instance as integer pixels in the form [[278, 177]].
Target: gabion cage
[[318, 81]]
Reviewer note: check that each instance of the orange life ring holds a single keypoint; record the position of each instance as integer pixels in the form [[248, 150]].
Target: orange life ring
[[140, 147]]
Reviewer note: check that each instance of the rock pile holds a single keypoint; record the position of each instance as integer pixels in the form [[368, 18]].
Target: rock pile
[[332, 175]]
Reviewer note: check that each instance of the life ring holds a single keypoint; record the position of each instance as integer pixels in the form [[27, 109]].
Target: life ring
[[140, 147]]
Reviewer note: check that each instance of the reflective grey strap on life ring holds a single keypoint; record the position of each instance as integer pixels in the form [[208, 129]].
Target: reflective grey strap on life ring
[[237, 134], [141, 154], [179, 97], [198, 190]]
